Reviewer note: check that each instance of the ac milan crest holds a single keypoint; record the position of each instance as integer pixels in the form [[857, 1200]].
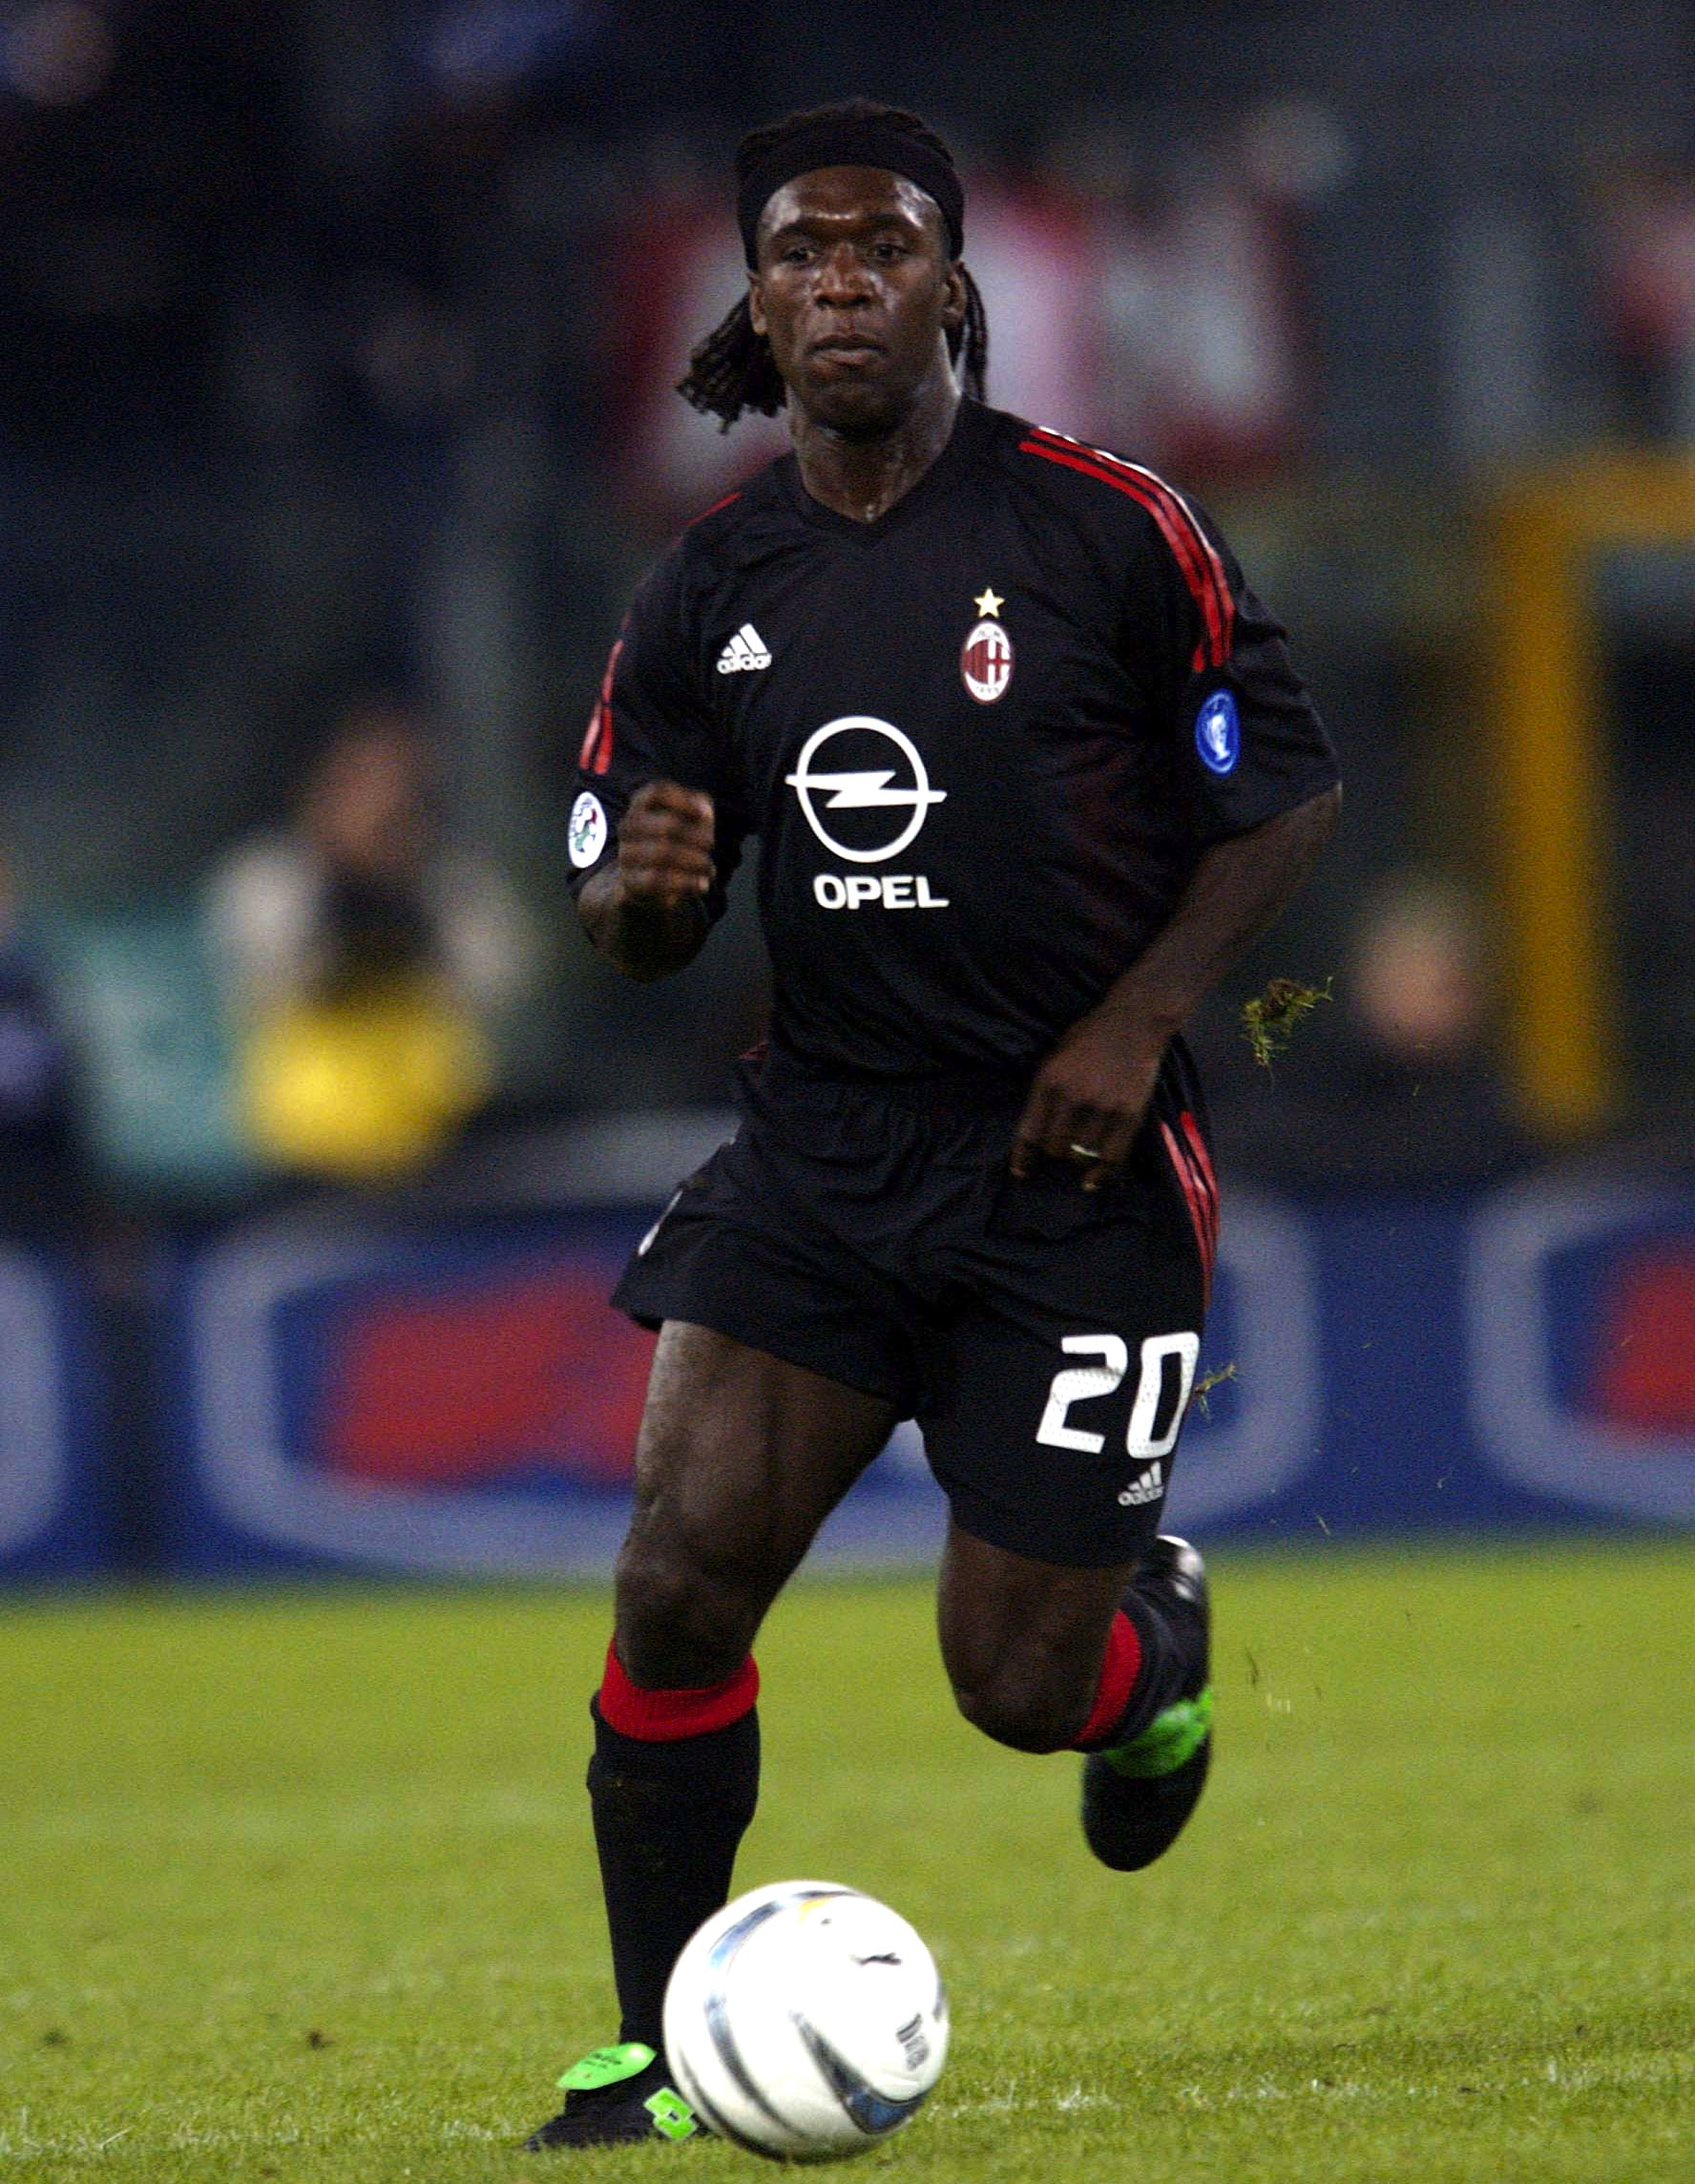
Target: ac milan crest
[[986, 661]]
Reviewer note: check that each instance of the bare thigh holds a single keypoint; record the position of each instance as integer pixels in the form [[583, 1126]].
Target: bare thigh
[[739, 1459]]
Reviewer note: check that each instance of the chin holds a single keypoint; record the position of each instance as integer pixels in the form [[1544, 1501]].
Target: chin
[[856, 409]]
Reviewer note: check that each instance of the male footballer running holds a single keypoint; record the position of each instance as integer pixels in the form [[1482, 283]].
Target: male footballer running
[[1029, 767]]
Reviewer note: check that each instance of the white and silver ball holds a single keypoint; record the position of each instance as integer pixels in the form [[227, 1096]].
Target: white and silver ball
[[806, 2022]]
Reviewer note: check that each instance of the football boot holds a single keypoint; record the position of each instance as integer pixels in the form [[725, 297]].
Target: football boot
[[1138, 1795], [615, 2097]]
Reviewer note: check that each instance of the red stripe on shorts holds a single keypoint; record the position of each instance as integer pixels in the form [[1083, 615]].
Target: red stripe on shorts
[[1202, 1208]]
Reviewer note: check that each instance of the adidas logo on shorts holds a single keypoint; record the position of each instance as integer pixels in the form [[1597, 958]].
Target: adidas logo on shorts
[[746, 649], [1148, 1487]]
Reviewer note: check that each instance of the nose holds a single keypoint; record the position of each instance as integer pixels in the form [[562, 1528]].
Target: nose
[[842, 276]]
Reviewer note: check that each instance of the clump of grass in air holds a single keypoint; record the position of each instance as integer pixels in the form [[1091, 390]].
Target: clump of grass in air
[[1269, 1021], [1207, 1382]]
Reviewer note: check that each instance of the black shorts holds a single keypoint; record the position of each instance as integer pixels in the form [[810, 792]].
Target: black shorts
[[1043, 1338]]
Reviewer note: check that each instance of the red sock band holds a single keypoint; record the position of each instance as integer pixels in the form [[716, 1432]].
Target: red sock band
[[662, 1717], [1119, 1672]]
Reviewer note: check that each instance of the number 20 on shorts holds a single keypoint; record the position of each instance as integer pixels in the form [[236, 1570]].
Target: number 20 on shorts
[[1080, 1383]]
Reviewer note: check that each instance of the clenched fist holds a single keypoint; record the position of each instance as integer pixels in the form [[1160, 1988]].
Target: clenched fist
[[664, 853]]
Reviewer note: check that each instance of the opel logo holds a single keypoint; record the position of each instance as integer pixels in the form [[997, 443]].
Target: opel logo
[[866, 789]]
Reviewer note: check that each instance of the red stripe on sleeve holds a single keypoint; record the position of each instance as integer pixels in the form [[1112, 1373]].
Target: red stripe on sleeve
[[1203, 571], [597, 751], [1180, 509], [1209, 552], [713, 509]]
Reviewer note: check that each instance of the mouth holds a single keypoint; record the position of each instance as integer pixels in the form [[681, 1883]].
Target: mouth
[[845, 348]]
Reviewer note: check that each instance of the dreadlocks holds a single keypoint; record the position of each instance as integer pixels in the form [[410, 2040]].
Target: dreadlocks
[[732, 369]]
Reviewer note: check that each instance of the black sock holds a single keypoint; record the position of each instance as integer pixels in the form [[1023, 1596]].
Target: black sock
[[1167, 1666], [668, 1819]]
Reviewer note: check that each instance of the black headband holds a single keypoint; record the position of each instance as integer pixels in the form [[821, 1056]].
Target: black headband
[[849, 143]]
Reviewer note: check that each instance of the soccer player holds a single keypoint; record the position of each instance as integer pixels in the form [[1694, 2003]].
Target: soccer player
[[1029, 767]]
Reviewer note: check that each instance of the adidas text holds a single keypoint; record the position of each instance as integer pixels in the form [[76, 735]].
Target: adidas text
[[1147, 1488], [746, 649], [894, 891]]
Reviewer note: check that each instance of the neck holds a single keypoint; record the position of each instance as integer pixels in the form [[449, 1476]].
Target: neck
[[863, 477]]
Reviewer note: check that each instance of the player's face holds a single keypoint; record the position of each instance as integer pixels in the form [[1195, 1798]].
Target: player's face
[[856, 293]]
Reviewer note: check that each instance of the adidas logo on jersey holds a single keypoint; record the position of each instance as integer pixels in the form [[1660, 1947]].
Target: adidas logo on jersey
[[746, 649], [1148, 1487]]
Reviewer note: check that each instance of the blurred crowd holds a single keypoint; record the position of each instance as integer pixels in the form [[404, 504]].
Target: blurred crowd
[[336, 386], [368, 964]]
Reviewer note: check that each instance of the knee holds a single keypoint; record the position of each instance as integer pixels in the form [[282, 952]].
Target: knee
[[685, 1616], [1024, 1709]]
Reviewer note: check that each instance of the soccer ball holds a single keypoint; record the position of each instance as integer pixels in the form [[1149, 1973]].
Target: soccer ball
[[806, 2022]]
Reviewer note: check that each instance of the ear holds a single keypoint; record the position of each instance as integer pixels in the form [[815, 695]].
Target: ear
[[954, 294], [756, 303]]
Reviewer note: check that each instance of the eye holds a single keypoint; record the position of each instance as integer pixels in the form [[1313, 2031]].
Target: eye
[[889, 253]]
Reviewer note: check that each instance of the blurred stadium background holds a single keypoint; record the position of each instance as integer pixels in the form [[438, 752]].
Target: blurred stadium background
[[335, 369]]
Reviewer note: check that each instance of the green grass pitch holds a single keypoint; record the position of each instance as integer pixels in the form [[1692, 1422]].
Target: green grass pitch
[[299, 1886]]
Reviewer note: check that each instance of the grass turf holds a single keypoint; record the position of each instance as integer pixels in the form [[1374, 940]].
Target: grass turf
[[301, 1885]]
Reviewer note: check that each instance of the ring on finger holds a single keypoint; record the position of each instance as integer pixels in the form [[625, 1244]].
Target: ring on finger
[[1085, 1152]]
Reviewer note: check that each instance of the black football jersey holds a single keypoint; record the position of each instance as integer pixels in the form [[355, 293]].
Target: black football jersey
[[982, 741]]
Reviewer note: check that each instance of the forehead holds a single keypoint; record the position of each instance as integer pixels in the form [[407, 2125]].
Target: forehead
[[842, 195]]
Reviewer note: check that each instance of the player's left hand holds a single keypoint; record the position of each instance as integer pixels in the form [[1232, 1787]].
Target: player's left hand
[[1088, 1099]]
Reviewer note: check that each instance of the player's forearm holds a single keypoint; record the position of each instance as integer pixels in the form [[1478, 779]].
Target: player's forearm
[[645, 938], [1237, 891]]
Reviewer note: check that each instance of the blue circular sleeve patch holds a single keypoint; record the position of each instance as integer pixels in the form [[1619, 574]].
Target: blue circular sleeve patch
[[1218, 733]]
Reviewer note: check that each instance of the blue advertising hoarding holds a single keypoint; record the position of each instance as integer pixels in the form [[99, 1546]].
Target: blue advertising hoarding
[[453, 1395], [52, 1515]]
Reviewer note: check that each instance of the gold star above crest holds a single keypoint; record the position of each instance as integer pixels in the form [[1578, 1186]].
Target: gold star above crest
[[989, 603]]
